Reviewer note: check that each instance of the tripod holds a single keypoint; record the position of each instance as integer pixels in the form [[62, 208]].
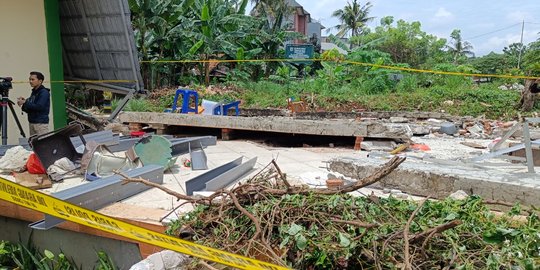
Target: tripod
[[6, 102]]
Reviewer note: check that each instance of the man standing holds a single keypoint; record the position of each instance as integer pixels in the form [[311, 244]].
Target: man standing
[[37, 106]]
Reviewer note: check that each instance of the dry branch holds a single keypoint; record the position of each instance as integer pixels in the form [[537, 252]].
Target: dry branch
[[439, 229], [407, 262], [355, 223]]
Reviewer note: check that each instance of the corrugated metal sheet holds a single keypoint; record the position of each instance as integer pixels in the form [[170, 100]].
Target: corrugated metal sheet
[[98, 41]]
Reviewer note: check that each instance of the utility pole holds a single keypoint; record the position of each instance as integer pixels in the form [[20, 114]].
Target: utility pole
[[521, 42]]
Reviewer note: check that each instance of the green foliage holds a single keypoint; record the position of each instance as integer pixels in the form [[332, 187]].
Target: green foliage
[[105, 262], [531, 59], [283, 74], [308, 238], [197, 29], [379, 93], [409, 83], [29, 257], [136, 105], [405, 43], [492, 63]]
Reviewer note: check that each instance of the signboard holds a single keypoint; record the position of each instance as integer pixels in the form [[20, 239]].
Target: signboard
[[299, 51]]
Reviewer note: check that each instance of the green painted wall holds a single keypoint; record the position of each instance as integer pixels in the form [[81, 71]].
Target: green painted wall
[[56, 68]]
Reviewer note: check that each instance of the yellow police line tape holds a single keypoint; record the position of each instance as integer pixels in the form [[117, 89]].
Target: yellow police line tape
[[47, 204], [505, 76]]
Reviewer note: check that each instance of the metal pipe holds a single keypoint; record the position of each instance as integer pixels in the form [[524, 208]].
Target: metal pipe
[[528, 147]]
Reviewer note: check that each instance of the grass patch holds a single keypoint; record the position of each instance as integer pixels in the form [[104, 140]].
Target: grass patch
[[450, 95], [459, 100]]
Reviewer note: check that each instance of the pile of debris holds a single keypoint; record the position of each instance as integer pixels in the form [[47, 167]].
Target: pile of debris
[[465, 127], [66, 153], [269, 219]]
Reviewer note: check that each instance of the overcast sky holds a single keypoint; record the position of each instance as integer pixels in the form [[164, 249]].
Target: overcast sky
[[478, 20]]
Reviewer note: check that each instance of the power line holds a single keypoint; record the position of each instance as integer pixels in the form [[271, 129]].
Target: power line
[[533, 23], [485, 34]]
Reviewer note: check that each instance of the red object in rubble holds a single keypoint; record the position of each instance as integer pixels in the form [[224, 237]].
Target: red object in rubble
[[33, 165], [135, 134], [420, 147]]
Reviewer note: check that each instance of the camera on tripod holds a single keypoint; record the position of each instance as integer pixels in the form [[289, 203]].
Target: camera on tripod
[[5, 85]]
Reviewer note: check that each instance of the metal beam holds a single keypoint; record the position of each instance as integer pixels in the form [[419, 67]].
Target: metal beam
[[181, 146], [502, 151], [506, 136], [127, 142], [121, 105], [199, 182], [230, 176], [105, 137], [103, 86], [528, 147], [198, 157], [100, 193], [129, 92]]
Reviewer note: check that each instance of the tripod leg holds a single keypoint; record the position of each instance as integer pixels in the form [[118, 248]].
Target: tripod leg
[[4, 120], [10, 104]]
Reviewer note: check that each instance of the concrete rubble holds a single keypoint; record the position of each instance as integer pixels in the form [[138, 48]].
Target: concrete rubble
[[164, 260]]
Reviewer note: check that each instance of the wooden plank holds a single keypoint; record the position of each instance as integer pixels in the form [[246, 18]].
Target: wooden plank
[[331, 127]]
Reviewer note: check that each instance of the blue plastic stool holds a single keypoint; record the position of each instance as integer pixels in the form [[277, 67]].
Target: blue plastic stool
[[224, 109], [186, 98]]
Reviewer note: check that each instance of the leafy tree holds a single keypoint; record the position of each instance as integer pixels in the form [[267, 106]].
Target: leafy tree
[[405, 42], [273, 13], [353, 18], [193, 29], [156, 25], [458, 47], [513, 52], [531, 59], [492, 63]]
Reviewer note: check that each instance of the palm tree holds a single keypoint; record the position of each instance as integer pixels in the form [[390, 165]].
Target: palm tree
[[458, 47], [353, 18]]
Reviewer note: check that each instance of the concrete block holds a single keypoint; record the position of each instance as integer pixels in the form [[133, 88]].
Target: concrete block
[[386, 146], [399, 120], [439, 180], [419, 130]]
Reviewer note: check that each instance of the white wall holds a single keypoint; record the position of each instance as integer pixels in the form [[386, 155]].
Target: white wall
[[23, 48]]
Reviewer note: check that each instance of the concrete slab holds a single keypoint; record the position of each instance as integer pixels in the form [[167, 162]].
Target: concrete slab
[[510, 183], [326, 127]]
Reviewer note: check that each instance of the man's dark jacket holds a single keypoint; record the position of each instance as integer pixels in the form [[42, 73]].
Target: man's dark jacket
[[37, 106]]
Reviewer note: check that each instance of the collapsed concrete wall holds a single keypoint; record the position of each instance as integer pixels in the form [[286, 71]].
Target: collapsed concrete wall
[[439, 181]]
